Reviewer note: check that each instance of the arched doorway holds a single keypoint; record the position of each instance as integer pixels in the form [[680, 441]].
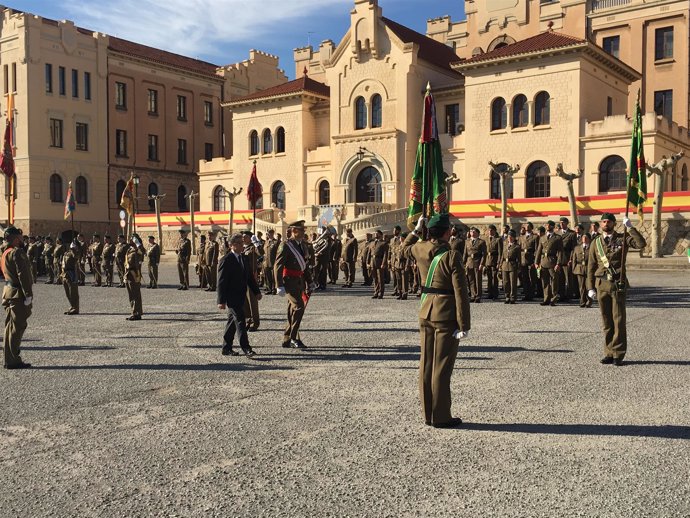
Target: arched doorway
[[368, 186]]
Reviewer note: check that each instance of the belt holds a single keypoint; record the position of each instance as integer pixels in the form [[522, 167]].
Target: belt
[[298, 274], [437, 291]]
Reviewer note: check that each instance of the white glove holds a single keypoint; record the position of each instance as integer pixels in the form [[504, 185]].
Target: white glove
[[256, 241], [28, 301], [592, 294], [459, 335], [627, 223], [281, 292], [420, 225]]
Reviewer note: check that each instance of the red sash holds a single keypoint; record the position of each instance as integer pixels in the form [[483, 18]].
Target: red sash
[[292, 273]]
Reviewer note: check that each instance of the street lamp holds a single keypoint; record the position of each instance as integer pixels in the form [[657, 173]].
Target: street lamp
[[361, 152]]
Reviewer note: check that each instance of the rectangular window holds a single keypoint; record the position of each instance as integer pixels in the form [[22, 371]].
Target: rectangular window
[[82, 136], [153, 102], [6, 78], [49, 78], [612, 45], [87, 86], [14, 77], [609, 106], [208, 113], [663, 104], [181, 151], [181, 108], [452, 118], [56, 133], [208, 151], [663, 43], [120, 96], [62, 81], [75, 83], [153, 148], [121, 143]]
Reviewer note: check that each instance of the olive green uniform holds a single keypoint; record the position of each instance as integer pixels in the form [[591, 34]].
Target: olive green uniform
[[201, 265], [510, 268], [334, 265], [350, 252], [528, 273], [211, 264], [32, 253], [549, 255], [48, 259], [378, 261], [184, 252], [494, 249], [120, 254], [474, 258], [16, 268], [96, 260], [133, 261], [108, 261], [579, 258], [295, 280], [58, 253], [566, 280], [70, 278], [153, 254]]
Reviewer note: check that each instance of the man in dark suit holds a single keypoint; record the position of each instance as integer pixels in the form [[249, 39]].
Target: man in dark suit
[[234, 277]]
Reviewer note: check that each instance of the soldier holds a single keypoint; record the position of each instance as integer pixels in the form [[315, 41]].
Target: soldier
[[211, 253], [322, 252], [335, 255], [457, 241], [40, 245], [96, 249], [154, 256], [17, 297], [379, 264], [252, 306], [293, 279], [32, 254], [108, 260], [120, 255], [184, 252], [366, 252], [579, 258], [549, 260], [494, 248], [350, 253], [200, 267], [444, 317], [272, 243], [58, 253], [594, 230], [606, 282], [133, 262], [395, 247], [566, 279], [70, 277], [511, 254], [528, 273], [474, 259], [48, 259], [83, 252]]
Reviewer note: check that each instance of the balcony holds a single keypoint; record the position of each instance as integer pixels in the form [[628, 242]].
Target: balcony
[[601, 5]]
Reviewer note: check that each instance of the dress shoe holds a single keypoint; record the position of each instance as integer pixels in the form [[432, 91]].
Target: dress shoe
[[454, 422], [249, 352], [287, 344], [588, 304], [375, 297], [553, 303], [606, 360], [227, 351], [507, 301], [22, 365], [512, 302], [184, 288], [380, 296], [583, 305], [297, 344], [618, 362], [252, 329], [180, 288], [403, 296], [72, 312], [134, 317], [544, 303]]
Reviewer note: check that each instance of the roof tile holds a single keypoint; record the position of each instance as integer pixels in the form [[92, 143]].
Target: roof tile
[[303, 84], [430, 50]]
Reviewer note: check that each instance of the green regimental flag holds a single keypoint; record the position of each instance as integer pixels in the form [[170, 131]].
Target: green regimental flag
[[637, 177]]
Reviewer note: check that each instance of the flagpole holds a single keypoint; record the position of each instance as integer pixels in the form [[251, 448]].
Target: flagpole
[[624, 247], [254, 205]]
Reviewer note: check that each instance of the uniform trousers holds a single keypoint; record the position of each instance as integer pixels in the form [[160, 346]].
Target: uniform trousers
[[379, 281], [582, 284], [270, 279], [211, 276], [108, 272], [510, 280], [16, 316], [153, 275], [439, 350], [492, 281], [251, 308], [612, 306], [294, 288], [474, 279], [236, 324], [97, 273], [50, 273], [183, 273], [350, 272], [333, 271], [121, 271], [365, 274], [549, 284], [72, 293], [134, 293]]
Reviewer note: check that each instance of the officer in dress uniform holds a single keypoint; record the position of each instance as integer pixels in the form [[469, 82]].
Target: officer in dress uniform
[[579, 259], [549, 260], [70, 277], [184, 253], [350, 253], [211, 253], [108, 260], [606, 282], [32, 254], [96, 249], [336, 254], [83, 252], [494, 249], [252, 306], [394, 249], [510, 266], [133, 262], [474, 259], [444, 317], [154, 256]]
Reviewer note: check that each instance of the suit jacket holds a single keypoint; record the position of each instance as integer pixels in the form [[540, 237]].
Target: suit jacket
[[234, 279], [550, 251]]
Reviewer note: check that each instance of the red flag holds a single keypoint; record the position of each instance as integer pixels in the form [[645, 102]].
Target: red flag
[[6, 159], [127, 198], [70, 203], [254, 190]]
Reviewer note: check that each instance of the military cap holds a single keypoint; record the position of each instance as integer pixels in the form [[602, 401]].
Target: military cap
[[247, 233], [136, 236], [49, 239], [580, 226], [96, 234], [183, 231], [397, 227], [107, 236], [564, 219], [541, 229], [404, 234], [551, 223], [12, 231], [379, 231], [608, 216], [439, 221], [152, 237], [492, 227], [120, 235], [474, 229], [297, 224], [512, 233]]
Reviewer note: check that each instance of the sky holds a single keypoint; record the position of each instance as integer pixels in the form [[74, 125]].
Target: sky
[[223, 31]]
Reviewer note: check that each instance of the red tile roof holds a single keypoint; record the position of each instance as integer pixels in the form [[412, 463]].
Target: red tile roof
[[430, 50], [302, 85]]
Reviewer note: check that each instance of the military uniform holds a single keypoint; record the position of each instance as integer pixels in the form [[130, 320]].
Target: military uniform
[[108, 262], [579, 259], [83, 252], [32, 254], [48, 259], [58, 253], [494, 249], [96, 259], [334, 265], [323, 257], [528, 273], [511, 255], [184, 252], [549, 255], [211, 263], [153, 254], [120, 255], [70, 278], [350, 253], [474, 259], [378, 261], [251, 309], [133, 262], [567, 281], [201, 263], [399, 267], [366, 256], [269, 262]]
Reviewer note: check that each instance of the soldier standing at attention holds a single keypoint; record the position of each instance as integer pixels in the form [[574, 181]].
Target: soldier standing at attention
[[474, 259], [269, 261], [456, 241], [120, 254], [510, 266], [322, 252], [211, 253], [444, 317], [394, 249], [334, 265], [70, 277], [252, 306], [83, 252], [293, 279], [606, 282], [379, 264], [108, 260], [96, 259], [566, 280], [133, 262], [17, 297], [58, 252], [154, 256], [48, 259], [201, 263], [366, 252], [494, 248], [32, 253], [528, 273], [184, 252], [549, 260], [579, 258], [350, 252]]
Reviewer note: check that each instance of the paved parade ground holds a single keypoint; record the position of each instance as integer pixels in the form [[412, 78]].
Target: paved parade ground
[[148, 419]]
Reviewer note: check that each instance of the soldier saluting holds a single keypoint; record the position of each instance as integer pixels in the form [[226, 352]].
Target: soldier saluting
[[133, 261]]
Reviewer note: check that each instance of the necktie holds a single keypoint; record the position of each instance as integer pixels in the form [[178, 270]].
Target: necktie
[[606, 240]]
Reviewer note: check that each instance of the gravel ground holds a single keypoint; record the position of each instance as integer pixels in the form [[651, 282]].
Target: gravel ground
[[148, 419]]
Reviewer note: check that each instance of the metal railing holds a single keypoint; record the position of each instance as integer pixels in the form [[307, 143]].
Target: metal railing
[[600, 5]]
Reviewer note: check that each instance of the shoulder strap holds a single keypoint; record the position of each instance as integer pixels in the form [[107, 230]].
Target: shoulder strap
[[602, 254], [298, 256], [432, 270]]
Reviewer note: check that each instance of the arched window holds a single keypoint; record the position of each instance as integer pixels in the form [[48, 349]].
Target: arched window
[[268, 142], [495, 191], [81, 193], [182, 198], [612, 174], [538, 180], [542, 109], [278, 195], [520, 111], [499, 114], [324, 193], [219, 199], [376, 111], [360, 113], [55, 187], [253, 143], [153, 191], [280, 140], [684, 179], [368, 188], [119, 189]]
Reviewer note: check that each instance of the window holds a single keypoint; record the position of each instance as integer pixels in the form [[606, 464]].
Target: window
[[182, 198], [324, 193], [452, 118], [208, 151], [62, 81], [280, 140], [55, 188], [663, 43], [663, 103], [87, 86], [684, 179], [495, 189], [153, 102], [208, 113], [360, 113], [520, 112], [49, 78], [368, 188], [81, 190], [153, 148], [119, 189], [55, 132], [120, 96], [612, 45], [538, 180], [542, 109], [75, 83], [499, 114], [181, 108], [268, 142], [181, 151], [609, 106], [82, 136], [121, 143], [278, 195], [376, 111], [153, 191], [253, 143], [219, 199], [612, 174]]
